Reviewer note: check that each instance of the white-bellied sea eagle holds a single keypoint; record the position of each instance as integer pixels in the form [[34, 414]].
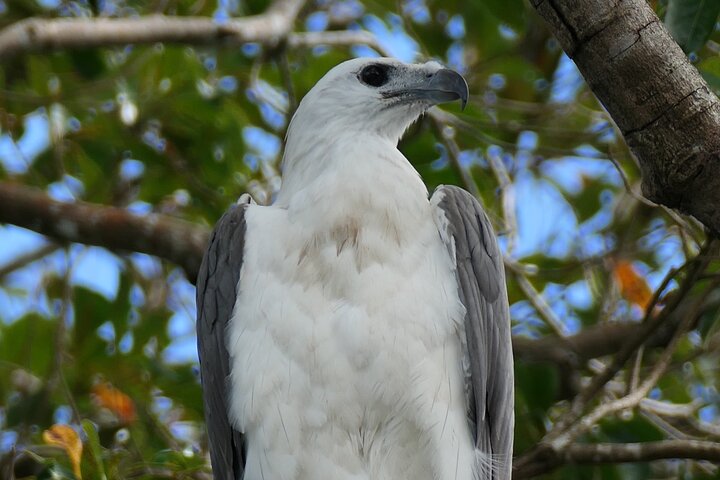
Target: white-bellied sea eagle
[[357, 329]]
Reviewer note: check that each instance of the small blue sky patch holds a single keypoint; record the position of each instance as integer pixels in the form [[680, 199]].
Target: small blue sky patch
[[566, 82], [394, 39], [317, 21], [455, 27], [17, 156], [546, 222], [97, 269]]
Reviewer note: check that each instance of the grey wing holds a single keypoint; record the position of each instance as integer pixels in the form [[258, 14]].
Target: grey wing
[[216, 294], [481, 286]]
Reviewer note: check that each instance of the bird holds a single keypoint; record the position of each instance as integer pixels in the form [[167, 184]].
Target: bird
[[358, 327]]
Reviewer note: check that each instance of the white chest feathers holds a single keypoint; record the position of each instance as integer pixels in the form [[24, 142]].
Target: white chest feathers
[[345, 346]]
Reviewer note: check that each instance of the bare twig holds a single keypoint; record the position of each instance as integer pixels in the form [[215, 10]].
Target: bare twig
[[336, 38], [529, 269], [673, 410], [641, 452], [632, 399], [507, 193], [635, 373], [547, 454], [705, 428], [601, 453], [648, 326], [27, 258], [439, 120], [542, 307], [36, 34]]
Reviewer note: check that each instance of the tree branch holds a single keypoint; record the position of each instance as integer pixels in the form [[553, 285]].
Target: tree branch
[[632, 399], [115, 228], [599, 453], [664, 108], [184, 243], [682, 312], [648, 327], [642, 452], [602, 339], [35, 34], [540, 305]]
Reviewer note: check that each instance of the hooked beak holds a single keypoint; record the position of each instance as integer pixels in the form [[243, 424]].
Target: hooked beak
[[440, 87]]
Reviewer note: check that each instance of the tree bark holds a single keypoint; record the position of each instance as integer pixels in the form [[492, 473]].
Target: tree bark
[[665, 110]]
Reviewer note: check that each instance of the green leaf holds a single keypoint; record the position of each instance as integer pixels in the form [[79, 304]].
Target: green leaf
[[710, 70], [93, 443], [511, 12], [636, 428], [691, 22], [91, 311], [87, 62], [27, 344]]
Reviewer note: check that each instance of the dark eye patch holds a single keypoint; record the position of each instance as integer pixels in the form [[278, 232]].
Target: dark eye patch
[[374, 75]]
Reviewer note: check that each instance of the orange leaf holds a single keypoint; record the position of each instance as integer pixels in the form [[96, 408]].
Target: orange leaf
[[115, 401], [65, 437], [633, 286]]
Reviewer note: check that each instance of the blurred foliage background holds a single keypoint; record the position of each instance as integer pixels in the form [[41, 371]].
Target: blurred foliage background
[[103, 341]]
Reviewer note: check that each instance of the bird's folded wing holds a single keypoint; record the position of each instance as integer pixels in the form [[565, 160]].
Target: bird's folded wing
[[467, 231], [217, 284]]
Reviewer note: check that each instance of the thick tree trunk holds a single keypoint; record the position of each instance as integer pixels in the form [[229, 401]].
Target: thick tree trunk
[[669, 116]]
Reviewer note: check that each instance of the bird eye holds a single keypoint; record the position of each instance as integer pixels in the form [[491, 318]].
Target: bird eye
[[374, 75]]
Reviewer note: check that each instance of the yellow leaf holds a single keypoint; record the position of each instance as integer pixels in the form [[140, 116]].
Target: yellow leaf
[[633, 286], [65, 437]]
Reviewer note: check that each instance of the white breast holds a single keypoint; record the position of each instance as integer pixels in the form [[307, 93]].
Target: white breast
[[344, 342]]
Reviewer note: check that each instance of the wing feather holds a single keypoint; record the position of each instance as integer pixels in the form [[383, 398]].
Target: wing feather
[[216, 294], [481, 286]]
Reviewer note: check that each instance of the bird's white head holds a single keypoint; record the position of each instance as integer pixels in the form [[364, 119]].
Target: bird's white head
[[380, 96], [361, 104]]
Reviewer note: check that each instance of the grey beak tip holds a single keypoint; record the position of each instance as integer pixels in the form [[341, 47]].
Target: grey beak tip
[[451, 81], [465, 93]]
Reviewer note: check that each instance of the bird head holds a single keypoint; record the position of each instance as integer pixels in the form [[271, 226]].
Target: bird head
[[380, 96]]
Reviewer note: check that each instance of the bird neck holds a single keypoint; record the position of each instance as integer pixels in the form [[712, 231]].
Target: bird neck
[[361, 178]]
